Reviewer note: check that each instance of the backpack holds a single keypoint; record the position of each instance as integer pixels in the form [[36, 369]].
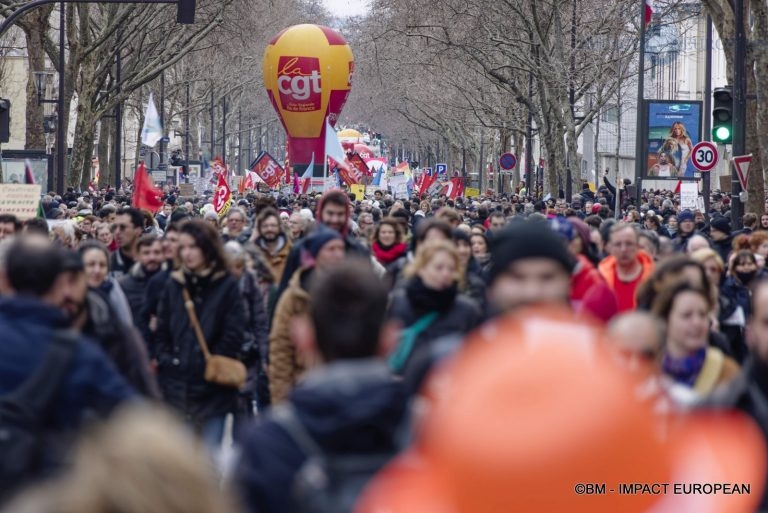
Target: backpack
[[326, 483], [24, 414]]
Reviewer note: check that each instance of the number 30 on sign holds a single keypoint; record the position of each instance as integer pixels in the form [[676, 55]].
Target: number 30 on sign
[[704, 156]]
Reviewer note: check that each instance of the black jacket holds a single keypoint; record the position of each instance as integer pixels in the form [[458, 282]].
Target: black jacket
[[348, 406], [462, 316], [723, 248], [122, 343], [748, 393], [181, 365], [134, 285]]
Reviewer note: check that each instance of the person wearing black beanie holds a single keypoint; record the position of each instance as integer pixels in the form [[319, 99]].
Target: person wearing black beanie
[[529, 265]]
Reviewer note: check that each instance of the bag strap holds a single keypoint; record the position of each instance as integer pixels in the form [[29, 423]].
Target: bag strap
[[34, 397], [285, 416], [407, 340], [190, 306], [710, 371]]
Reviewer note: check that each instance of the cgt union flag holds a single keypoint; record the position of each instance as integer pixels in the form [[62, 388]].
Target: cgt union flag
[[222, 200]]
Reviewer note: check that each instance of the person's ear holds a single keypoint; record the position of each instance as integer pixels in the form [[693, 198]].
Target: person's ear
[[303, 336], [389, 337]]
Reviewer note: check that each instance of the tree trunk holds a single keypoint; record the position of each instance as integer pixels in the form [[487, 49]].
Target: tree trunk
[[36, 25], [519, 148], [757, 113], [105, 147]]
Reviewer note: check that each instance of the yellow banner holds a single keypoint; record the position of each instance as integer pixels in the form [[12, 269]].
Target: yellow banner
[[358, 190], [471, 192]]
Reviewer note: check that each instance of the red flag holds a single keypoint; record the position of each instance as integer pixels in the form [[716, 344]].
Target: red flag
[[455, 188], [359, 164], [268, 170], [222, 200], [648, 11], [145, 195], [295, 183], [678, 186], [29, 178], [430, 177]]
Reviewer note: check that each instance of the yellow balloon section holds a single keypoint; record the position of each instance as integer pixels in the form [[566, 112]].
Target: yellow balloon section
[[307, 74]]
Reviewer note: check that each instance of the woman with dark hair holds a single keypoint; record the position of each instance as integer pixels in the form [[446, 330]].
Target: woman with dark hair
[[389, 249], [480, 250], [218, 307], [474, 277], [95, 257]]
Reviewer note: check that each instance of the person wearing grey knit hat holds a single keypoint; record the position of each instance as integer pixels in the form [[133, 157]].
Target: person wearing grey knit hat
[[529, 265]]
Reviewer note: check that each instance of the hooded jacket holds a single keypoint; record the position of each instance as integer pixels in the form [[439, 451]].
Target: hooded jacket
[[294, 257], [347, 406]]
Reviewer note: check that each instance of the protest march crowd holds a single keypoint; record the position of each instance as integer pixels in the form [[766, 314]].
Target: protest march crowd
[[373, 353]]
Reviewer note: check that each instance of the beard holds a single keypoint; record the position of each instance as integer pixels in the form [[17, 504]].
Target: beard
[[270, 237], [73, 309]]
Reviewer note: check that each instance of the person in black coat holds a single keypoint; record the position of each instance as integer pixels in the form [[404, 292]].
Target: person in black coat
[[749, 391], [255, 346], [219, 308], [720, 233], [134, 283], [429, 307]]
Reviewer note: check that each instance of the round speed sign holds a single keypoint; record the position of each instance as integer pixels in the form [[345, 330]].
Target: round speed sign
[[704, 156]]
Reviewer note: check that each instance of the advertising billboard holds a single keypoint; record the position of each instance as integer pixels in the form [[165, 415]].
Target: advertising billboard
[[673, 129]]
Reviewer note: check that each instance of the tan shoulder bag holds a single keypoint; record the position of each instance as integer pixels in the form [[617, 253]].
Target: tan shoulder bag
[[222, 370]]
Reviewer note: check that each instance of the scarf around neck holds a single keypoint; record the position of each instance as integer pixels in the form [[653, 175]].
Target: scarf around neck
[[425, 299], [685, 370], [388, 254]]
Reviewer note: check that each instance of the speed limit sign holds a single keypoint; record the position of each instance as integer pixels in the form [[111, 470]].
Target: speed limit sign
[[704, 156]]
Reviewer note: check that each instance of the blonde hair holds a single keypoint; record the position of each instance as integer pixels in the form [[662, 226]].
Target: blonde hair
[[142, 461], [704, 254], [427, 251]]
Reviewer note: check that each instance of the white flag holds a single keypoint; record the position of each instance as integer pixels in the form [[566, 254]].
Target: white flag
[[333, 147], [152, 131]]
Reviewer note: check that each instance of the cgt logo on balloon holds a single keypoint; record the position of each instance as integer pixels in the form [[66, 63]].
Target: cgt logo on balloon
[[298, 81], [308, 75]]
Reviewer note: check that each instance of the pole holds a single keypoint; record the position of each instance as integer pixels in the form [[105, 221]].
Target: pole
[[640, 129], [572, 102], [61, 141], [239, 140], [212, 135], [707, 177], [739, 111], [528, 137], [162, 116], [118, 125], [224, 131], [186, 134]]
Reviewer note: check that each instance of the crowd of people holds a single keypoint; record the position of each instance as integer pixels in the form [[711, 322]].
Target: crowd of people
[[326, 331]]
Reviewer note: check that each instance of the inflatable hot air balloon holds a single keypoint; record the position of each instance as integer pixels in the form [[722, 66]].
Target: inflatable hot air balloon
[[308, 76]]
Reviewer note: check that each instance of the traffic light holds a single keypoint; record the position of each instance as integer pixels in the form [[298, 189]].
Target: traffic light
[[185, 11], [722, 115], [5, 120]]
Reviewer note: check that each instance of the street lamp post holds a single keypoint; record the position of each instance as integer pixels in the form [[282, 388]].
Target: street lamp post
[[41, 79]]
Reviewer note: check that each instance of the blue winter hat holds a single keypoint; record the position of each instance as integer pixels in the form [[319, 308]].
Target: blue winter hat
[[685, 215], [319, 238], [563, 227]]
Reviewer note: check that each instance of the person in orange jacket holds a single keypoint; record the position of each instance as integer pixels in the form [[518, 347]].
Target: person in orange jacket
[[627, 266]]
